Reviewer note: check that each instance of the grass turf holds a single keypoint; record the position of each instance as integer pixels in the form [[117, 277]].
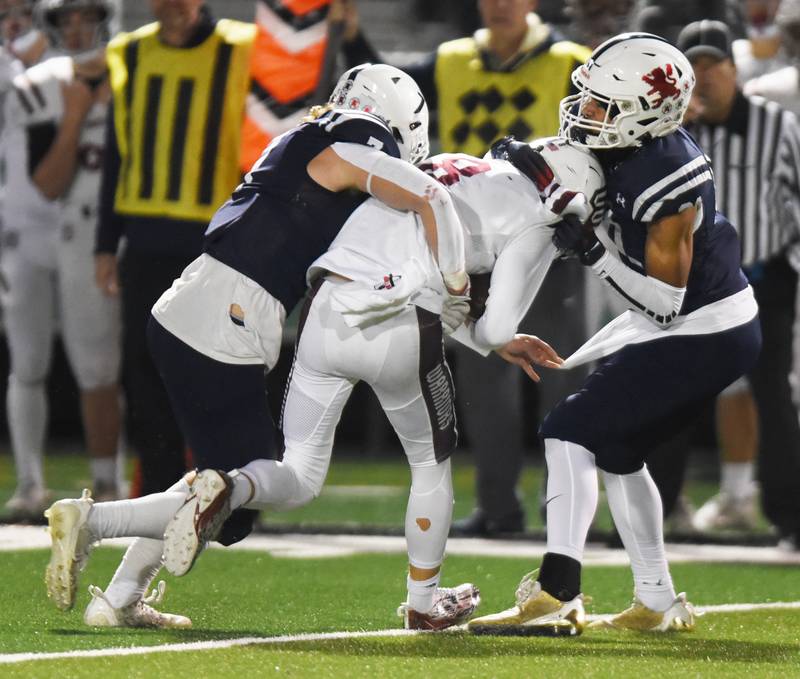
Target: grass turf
[[241, 594]]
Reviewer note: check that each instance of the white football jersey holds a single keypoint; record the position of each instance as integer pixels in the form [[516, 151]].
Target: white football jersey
[[33, 112], [504, 222]]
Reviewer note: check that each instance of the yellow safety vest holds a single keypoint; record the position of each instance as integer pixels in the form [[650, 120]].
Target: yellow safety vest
[[477, 107], [178, 117]]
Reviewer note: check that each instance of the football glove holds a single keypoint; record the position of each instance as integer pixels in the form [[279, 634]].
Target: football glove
[[455, 310], [575, 239], [559, 200]]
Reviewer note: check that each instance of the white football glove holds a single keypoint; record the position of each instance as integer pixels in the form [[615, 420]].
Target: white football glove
[[455, 310]]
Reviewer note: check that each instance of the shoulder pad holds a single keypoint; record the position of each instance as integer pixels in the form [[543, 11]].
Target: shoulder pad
[[358, 127]]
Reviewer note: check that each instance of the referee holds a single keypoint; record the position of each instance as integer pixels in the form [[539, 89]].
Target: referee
[[754, 147], [172, 157]]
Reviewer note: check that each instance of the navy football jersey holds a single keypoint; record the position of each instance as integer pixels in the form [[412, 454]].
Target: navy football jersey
[[279, 220], [660, 179]]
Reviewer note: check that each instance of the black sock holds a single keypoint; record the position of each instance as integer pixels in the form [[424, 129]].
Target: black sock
[[560, 576]]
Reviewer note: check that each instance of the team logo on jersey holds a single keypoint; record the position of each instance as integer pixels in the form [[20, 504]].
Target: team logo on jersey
[[663, 84], [620, 200], [389, 281]]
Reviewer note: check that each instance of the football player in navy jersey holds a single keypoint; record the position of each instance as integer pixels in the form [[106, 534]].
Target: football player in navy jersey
[[214, 331], [691, 330]]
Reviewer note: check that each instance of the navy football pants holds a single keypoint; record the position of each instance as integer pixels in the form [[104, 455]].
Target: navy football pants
[[645, 393]]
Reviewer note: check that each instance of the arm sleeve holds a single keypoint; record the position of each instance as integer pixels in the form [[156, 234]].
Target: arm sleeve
[[449, 232], [110, 226], [651, 297]]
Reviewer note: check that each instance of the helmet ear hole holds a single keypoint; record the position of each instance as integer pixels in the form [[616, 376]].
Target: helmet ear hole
[[398, 136]]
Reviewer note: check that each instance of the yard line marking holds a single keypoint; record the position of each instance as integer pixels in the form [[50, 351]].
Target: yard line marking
[[9, 658]]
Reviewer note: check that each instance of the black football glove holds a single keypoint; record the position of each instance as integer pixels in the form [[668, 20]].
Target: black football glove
[[575, 239]]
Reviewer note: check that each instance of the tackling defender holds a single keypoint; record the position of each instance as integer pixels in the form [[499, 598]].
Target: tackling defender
[[214, 331], [692, 330]]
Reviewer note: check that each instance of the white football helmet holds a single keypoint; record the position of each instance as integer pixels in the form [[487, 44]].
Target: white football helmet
[[576, 169], [644, 85], [393, 96], [48, 16]]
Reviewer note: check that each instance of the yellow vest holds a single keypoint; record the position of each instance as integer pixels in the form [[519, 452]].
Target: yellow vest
[[477, 107], [178, 117]]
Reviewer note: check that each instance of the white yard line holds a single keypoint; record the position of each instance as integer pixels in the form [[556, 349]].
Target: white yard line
[[300, 546], [9, 658]]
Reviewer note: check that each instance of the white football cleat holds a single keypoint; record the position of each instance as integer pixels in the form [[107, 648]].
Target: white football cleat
[[638, 617], [69, 551], [451, 606], [100, 613], [726, 512], [198, 521], [28, 503], [536, 613]]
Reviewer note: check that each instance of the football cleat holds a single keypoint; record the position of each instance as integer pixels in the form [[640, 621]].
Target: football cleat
[[536, 613], [679, 616], [451, 606], [27, 504], [69, 551], [198, 521], [726, 512], [100, 613]]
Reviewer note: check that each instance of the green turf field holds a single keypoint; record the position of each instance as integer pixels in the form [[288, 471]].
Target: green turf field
[[231, 595]]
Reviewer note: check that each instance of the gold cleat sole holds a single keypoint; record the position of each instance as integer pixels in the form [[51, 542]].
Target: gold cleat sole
[[61, 574], [571, 625]]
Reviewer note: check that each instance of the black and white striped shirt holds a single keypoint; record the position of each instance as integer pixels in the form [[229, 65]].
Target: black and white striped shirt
[[755, 156]]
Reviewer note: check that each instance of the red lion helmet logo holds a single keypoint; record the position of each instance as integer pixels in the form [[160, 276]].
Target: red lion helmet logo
[[662, 83]]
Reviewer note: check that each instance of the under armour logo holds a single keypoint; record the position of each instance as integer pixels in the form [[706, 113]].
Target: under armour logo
[[620, 200]]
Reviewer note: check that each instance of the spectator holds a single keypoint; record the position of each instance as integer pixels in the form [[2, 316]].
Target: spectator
[[172, 157], [761, 51], [54, 130], [783, 85], [666, 18], [506, 79], [741, 132]]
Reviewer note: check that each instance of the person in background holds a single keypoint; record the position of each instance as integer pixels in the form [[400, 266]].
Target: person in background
[[54, 142], [739, 132]]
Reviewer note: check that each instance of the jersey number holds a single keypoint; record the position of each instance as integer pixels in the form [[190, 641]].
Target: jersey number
[[448, 171]]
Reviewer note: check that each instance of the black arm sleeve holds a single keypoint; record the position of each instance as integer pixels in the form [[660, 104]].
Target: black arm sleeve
[[110, 226], [359, 50]]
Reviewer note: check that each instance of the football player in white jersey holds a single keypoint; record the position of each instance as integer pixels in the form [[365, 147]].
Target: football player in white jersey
[[54, 141]]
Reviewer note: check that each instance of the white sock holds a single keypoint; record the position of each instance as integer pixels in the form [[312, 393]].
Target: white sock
[[139, 566], [737, 479], [571, 496], [27, 420], [145, 517], [428, 514], [104, 470], [244, 488], [421, 592], [638, 514]]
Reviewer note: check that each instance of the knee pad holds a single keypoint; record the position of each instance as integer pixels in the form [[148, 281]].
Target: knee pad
[[429, 513]]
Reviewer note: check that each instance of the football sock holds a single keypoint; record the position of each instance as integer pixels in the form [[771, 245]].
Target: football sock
[[145, 517], [104, 470], [428, 514], [638, 515], [560, 576], [571, 497], [27, 420], [737, 479], [422, 592], [139, 566]]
